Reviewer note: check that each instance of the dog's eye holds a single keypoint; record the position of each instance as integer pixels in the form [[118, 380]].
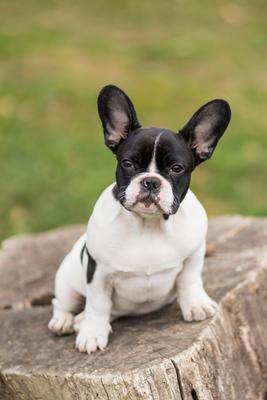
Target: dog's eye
[[177, 168], [127, 164]]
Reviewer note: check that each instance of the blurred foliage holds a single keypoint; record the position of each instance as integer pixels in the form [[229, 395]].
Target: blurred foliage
[[169, 56]]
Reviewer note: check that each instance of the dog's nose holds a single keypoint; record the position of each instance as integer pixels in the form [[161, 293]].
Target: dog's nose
[[151, 184]]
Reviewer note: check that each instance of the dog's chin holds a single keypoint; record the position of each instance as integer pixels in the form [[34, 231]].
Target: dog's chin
[[147, 209]]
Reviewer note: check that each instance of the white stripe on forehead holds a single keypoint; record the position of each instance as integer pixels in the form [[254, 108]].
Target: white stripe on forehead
[[152, 166]]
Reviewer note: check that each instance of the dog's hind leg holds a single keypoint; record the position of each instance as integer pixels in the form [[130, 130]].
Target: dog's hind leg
[[66, 303]]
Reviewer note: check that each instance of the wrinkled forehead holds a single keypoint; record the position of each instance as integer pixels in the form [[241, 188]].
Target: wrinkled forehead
[[139, 141], [153, 141]]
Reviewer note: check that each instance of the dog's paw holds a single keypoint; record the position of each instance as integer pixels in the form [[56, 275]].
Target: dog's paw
[[61, 323], [92, 336], [197, 307]]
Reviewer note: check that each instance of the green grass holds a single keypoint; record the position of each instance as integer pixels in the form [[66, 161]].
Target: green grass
[[169, 56]]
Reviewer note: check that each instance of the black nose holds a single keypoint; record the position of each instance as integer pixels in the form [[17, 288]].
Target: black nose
[[151, 184]]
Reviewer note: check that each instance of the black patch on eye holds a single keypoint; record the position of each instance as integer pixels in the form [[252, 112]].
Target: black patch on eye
[[91, 264]]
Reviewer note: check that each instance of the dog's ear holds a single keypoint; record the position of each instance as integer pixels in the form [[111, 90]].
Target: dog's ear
[[117, 115], [203, 131]]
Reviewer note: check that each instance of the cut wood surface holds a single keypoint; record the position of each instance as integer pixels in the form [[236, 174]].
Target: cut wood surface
[[156, 356]]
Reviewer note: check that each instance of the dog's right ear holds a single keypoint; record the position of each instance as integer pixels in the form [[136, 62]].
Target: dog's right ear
[[117, 115]]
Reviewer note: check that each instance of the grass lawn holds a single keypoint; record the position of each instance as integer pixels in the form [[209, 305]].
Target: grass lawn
[[169, 56]]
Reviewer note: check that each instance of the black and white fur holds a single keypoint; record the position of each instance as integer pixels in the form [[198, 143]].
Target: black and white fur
[[145, 241]]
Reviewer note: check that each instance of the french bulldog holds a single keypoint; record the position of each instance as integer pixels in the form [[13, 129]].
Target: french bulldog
[[146, 238]]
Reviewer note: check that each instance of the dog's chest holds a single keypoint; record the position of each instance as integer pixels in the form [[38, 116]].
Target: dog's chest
[[144, 250], [143, 263], [146, 269], [144, 287]]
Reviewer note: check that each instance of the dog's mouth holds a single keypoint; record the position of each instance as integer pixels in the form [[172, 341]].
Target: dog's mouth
[[147, 203], [148, 198]]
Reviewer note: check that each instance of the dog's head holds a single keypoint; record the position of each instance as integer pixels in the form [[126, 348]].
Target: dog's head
[[155, 165]]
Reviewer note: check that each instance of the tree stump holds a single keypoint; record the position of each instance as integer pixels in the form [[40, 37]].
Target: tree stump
[[156, 356]]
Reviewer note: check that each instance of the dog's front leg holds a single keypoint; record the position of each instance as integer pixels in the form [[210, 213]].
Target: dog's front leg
[[195, 303], [95, 326]]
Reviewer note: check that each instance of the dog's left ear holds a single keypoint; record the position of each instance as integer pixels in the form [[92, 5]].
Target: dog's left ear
[[117, 115], [203, 131]]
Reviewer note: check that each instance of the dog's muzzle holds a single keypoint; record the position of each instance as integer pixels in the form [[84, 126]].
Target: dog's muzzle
[[150, 188]]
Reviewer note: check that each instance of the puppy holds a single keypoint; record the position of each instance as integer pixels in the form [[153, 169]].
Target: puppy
[[145, 240]]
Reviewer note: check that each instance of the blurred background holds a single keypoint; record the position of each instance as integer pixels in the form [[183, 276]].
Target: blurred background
[[169, 56]]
